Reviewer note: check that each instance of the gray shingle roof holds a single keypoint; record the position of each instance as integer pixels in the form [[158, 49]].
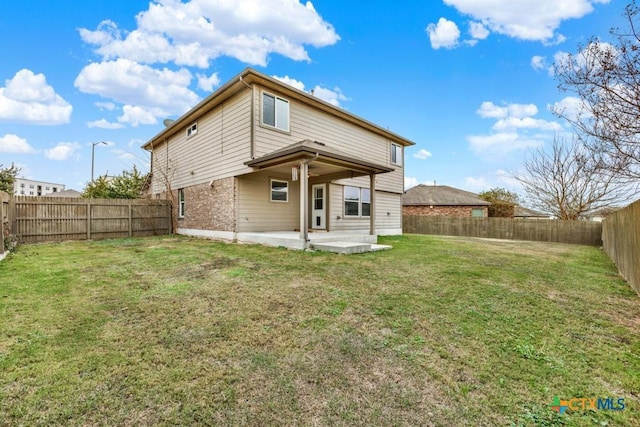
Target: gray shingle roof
[[440, 195]]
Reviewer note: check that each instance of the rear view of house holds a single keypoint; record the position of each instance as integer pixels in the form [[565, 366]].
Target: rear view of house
[[261, 156]]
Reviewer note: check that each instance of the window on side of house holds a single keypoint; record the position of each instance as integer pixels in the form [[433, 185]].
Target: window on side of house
[[477, 213], [396, 154], [357, 202], [181, 203], [279, 191], [275, 112], [192, 130]]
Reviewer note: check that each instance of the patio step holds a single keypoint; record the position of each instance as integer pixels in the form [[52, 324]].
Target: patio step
[[346, 248]]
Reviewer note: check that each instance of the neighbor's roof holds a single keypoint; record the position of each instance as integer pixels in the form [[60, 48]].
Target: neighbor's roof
[[250, 76], [65, 193], [520, 211], [440, 195]]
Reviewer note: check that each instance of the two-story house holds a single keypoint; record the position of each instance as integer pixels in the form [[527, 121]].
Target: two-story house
[[260, 156]]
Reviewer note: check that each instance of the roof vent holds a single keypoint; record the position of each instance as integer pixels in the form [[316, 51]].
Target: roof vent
[[168, 122]]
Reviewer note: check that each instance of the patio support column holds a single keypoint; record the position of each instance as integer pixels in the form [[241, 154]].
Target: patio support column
[[372, 200], [304, 201]]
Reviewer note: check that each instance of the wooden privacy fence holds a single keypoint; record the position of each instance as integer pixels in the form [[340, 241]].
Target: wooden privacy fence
[[621, 241], [540, 230], [4, 218], [47, 219]]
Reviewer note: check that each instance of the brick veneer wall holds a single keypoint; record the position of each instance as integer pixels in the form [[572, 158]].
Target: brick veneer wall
[[210, 207], [442, 210]]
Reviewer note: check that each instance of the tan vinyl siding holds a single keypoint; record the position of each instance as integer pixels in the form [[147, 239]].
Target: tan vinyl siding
[[255, 210], [384, 203], [308, 123], [218, 150], [388, 210], [337, 220]]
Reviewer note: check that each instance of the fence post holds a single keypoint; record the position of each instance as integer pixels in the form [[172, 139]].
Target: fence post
[[89, 219], [130, 219]]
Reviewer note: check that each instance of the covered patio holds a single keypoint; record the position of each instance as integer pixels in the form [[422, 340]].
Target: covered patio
[[312, 164]]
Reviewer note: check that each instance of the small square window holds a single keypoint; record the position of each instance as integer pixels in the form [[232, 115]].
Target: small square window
[[192, 130], [279, 191]]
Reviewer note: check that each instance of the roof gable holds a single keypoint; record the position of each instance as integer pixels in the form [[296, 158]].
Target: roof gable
[[243, 81], [440, 195]]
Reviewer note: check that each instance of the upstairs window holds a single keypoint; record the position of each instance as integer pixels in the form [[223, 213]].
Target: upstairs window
[[396, 154], [192, 130], [275, 112]]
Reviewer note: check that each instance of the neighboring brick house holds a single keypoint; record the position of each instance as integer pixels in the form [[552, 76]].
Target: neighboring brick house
[[259, 155], [442, 200]]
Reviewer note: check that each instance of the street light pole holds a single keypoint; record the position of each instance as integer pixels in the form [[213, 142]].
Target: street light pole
[[93, 155]]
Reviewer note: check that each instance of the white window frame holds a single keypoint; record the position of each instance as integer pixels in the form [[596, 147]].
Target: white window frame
[[181, 203], [396, 154], [286, 192], [279, 102], [361, 192], [192, 130]]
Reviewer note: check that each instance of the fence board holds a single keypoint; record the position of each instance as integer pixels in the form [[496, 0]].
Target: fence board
[[540, 230], [621, 241], [46, 219], [4, 218]]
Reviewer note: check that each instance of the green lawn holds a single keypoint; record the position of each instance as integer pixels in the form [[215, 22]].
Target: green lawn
[[437, 331]]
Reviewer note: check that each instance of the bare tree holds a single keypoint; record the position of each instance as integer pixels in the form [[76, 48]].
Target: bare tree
[[161, 179], [606, 79], [570, 181]]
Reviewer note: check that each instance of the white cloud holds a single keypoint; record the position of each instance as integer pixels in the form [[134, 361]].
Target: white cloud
[[490, 110], [569, 106], [27, 98], [539, 62], [498, 178], [478, 30], [476, 184], [515, 128], [526, 123], [123, 154], [422, 154], [127, 82], [136, 115], [290, 81], [332, 96], [501, 143], [444, 34], [409, 182], [525, 19], [104, 124], [109, 106], [208, 83], [62, 151], [195, 32], [11, 143]]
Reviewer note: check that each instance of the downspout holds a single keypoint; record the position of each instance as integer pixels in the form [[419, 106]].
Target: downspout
[[304, 199], [252, 118]]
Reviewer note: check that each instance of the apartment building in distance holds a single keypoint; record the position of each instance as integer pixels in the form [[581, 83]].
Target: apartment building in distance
[[29, 187]]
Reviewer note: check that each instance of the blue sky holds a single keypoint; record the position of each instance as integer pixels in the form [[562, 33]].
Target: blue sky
[[468, 80]]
